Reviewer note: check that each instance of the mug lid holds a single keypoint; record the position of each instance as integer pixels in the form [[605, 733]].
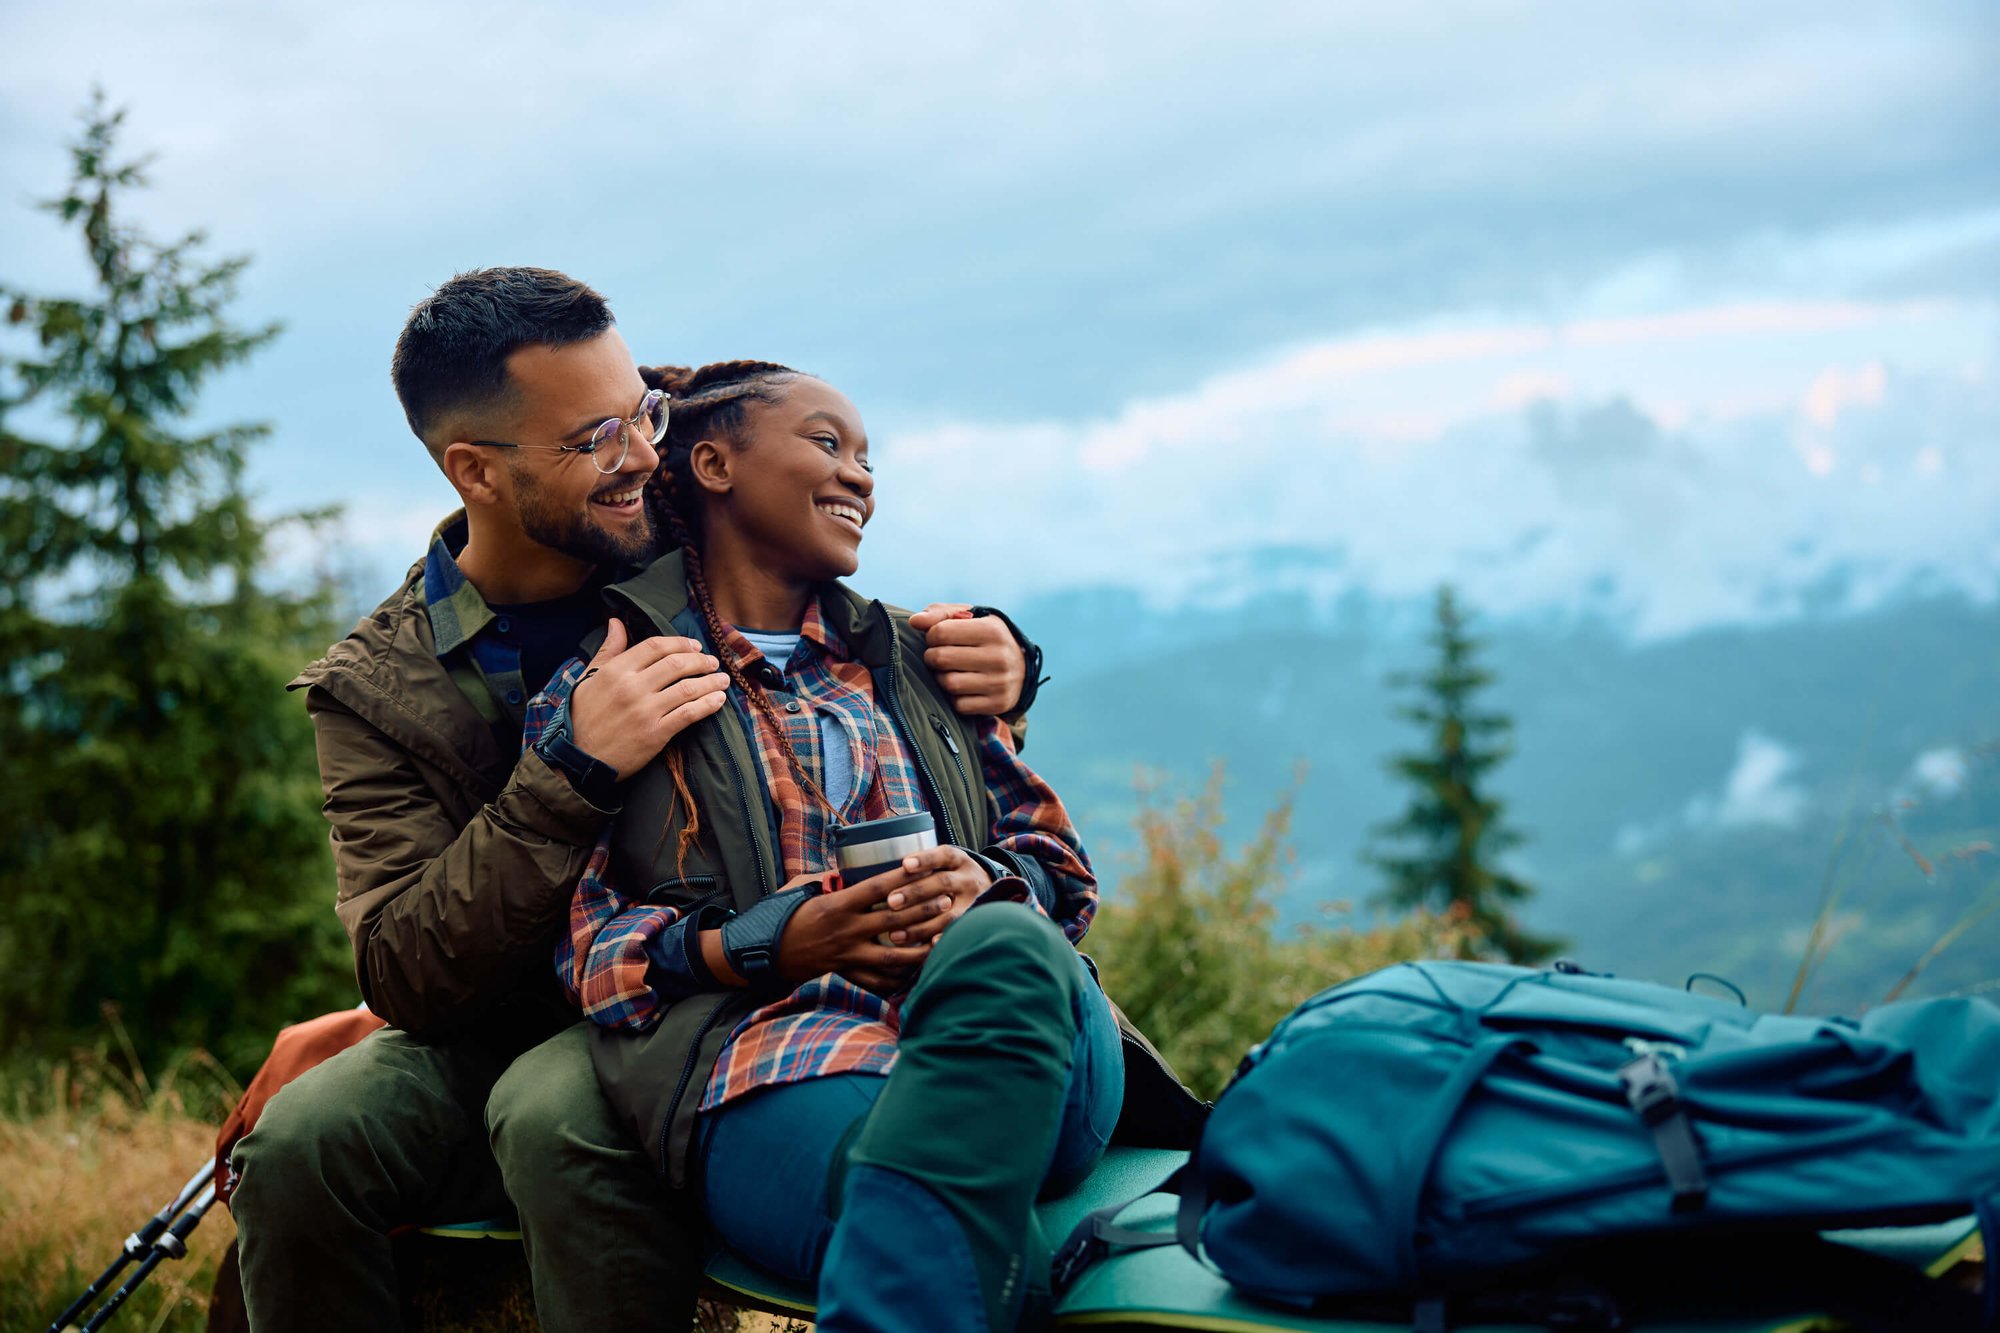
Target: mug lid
[[874, 830]]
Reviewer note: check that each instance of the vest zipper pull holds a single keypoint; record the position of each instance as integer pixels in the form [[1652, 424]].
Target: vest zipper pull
[[944, 732]]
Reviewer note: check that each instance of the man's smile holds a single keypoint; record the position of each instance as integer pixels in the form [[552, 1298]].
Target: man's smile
[[621, 502]]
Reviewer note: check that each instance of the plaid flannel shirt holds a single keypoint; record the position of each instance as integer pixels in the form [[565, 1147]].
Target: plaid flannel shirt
[[828, 1025], [459, 618]]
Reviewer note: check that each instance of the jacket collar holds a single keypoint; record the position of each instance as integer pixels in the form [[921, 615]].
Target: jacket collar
[[457, 611], [387, 671], [659, 595]]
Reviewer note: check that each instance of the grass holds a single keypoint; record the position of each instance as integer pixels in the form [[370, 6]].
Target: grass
[[91, 1148], [88, 1152], [1958, 871]]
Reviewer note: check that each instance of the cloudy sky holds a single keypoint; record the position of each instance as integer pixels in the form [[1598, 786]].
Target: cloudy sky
[[1678, 313]]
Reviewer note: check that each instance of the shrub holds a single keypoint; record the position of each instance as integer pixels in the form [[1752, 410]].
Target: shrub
[[1188, 945]]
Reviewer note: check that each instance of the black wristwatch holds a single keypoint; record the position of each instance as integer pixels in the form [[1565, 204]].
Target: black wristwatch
[[594, 780]]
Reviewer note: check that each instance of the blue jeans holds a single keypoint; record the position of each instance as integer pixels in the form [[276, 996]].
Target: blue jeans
[[766, 1157]]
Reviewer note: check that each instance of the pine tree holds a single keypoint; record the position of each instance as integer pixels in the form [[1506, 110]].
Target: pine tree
[[1443, 849], [161, 847]]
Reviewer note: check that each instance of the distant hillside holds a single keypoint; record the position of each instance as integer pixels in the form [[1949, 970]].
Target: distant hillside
[[1683, 798]]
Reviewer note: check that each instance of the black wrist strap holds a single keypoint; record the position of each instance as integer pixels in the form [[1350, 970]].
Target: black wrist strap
[[1032, 682], [750, 938], [588, 776]]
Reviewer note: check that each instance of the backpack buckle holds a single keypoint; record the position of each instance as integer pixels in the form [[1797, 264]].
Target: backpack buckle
[[1650, 1089], [1078, 1254], [1655, 1097]]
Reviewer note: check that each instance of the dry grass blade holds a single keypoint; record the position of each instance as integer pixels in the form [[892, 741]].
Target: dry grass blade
[[1952, 936], [82, 1163]]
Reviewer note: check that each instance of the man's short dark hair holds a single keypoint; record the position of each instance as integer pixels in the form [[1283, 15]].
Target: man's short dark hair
[[452, 354]]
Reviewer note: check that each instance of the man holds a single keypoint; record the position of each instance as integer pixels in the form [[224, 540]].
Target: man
[[456, 853]]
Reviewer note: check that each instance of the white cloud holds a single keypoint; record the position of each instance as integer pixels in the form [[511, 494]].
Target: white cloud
[[1671, 490], [1522, 387], [1743, 319], [376, 537], [1760, 791], [1939, 772], [1835, 390]]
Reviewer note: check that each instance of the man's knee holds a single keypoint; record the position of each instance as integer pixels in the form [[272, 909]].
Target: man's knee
[[279, 1157], [547, 1119], [351, 1129], [550, 1090], [315, 1137]]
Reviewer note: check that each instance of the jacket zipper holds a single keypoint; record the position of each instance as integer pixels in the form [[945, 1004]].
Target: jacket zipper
[[957, 757], [749, 814], [931, 789]]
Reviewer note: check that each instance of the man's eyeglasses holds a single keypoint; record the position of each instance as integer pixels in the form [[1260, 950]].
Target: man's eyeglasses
[[612, 440]]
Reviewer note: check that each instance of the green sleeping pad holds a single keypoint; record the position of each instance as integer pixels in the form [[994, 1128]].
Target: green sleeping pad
[[1165, 1288]]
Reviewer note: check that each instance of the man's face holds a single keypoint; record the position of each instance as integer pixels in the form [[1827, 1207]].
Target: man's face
[[562, 501]]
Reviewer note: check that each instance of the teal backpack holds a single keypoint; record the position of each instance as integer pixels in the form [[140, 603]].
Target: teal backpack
[[1439, 1129]]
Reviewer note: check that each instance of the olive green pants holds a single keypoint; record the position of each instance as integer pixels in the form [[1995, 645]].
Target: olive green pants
[[395, 1131]]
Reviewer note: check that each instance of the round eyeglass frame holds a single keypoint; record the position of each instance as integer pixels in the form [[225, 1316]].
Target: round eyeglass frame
[[612, 428]]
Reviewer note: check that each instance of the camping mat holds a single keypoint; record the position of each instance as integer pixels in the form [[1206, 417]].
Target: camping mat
[[1166, 1288], [1125, 1173]]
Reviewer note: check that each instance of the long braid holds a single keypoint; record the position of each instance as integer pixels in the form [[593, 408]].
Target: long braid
[[704, 402]]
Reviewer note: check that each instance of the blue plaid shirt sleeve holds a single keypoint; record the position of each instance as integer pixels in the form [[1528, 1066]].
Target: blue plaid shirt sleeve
[[1032, 823], [542, 708], [602, 958]]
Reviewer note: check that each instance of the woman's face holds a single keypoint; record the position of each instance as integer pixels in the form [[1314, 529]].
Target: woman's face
[[796, 487]]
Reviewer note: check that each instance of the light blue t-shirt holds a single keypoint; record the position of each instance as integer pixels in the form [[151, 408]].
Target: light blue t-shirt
[[838, 779]]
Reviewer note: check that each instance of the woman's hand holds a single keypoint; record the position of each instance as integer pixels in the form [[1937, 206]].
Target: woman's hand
[[836, 932], [947, 879]]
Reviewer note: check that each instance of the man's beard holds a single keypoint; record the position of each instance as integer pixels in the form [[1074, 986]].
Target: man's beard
[[577, 534]]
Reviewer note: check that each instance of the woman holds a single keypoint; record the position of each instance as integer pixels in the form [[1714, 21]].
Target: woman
[[870, 1083]]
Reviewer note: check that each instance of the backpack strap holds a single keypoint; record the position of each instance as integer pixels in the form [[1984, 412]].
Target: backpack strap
[[1098, 1235]]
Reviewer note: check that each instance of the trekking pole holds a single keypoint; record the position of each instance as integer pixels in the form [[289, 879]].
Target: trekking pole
[[172, 1245], [138, 1244]]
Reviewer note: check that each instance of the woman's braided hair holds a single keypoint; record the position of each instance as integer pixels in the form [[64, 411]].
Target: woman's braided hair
[[707, 403]]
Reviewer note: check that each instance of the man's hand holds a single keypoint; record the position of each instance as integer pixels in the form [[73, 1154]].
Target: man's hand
[[836, 932], [973, 657], [634, 699], [947, 879]]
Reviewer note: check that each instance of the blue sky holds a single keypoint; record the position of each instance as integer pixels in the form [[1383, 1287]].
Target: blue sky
[[1676, 313]]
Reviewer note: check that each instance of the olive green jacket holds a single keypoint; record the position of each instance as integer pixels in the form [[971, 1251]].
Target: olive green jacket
[[455, 854], [655, 1079]]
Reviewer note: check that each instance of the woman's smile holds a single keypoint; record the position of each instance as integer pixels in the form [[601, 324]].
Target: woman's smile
[[847, 513]]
